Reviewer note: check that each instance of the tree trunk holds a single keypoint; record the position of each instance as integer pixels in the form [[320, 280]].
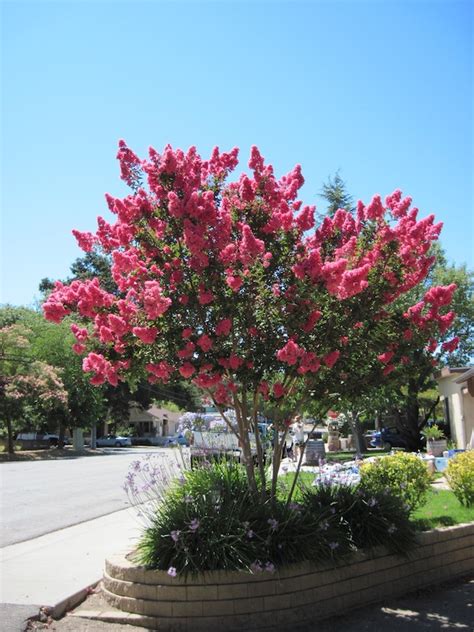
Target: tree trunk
[[61, 436], [358, 433], [409, 422], [10, 443]]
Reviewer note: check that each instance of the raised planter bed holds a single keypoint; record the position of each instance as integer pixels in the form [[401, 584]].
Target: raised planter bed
[[235, 601]]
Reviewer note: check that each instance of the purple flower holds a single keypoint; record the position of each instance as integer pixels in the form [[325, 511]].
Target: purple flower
[[250, 534], [256, 567], [324, 526], [333, 545], [269, 567], [172, 571], [392, 528], [295, 507], [372, 502], [175, 535], [273, 523], [188, 499], [194, 524]]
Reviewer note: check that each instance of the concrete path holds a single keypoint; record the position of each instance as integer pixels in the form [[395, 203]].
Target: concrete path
[[53, 570], [43, 496]]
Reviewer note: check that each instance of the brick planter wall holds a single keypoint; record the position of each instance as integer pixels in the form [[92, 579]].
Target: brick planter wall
[[234, 601]]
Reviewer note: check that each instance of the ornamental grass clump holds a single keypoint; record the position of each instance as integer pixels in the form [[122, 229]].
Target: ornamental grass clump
[[370, 518], [460, 476], [402, 475], [211, 520]]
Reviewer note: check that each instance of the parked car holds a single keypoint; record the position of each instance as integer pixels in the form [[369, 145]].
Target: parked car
[[387, 438], [178, 439], [53, 439], [113, 441]]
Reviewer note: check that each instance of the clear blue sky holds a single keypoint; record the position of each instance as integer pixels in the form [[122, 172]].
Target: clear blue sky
[[380, 90]]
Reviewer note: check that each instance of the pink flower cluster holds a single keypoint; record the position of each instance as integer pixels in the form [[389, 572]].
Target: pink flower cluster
[[221, 282]]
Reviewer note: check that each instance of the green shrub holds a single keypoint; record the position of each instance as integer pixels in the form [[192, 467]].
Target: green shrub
[[460, 476], [370, 519], [404, 475]]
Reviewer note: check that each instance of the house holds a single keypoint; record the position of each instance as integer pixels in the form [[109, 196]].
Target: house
[[456, 388], [154, 422]]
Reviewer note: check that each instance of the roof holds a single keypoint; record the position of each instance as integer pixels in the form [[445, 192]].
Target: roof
[[465, 376], [448, 371]]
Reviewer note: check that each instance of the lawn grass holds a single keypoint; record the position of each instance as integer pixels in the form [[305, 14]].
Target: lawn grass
[[350, 456], [442, 509]]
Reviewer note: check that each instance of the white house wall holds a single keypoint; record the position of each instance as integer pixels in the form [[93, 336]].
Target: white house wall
[[449, 389]]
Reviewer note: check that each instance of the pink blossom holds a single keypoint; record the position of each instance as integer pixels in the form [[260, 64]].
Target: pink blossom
[[154, 302], [234, 282], [187, 370], [385, 357], [205, 343], [451, 345], [86, 241], [289, 353], [440, 295], [159, 371], [388, 369], [54, 310], [235, 362], [331, 358], [224, 327], [205, 296], [313, 318], [187, 351], [278, 390], [186, 333], [118, 325], [146, 334]]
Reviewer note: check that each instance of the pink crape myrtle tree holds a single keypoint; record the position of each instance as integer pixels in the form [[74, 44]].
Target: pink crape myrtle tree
[[232, 286]]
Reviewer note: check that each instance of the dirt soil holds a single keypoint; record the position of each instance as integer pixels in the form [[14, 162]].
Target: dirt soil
[[48, 454]]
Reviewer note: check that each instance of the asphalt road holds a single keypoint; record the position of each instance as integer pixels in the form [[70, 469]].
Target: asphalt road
[[38, 497]]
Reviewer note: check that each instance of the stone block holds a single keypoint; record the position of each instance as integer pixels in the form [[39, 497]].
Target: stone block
[[187, 608], [302, 597], [222, 608], [170, 593], [234, 591], [201, 593], [247, 606], [276, 602]]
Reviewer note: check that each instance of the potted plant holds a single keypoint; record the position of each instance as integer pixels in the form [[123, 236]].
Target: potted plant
[[436, 442]]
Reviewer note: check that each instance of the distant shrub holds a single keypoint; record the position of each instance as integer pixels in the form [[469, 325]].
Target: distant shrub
[[460, 476], [404, 475]]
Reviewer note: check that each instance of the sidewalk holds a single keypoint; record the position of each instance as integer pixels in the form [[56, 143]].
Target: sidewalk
[[56, 569]]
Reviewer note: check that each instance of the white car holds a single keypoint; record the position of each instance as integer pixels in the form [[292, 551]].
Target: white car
[[113, 441]]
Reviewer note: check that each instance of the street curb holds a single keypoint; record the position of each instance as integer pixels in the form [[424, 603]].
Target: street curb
[[62, 607], [59, 609]]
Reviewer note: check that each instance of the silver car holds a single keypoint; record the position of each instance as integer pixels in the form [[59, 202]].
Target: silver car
[[113, 441]]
